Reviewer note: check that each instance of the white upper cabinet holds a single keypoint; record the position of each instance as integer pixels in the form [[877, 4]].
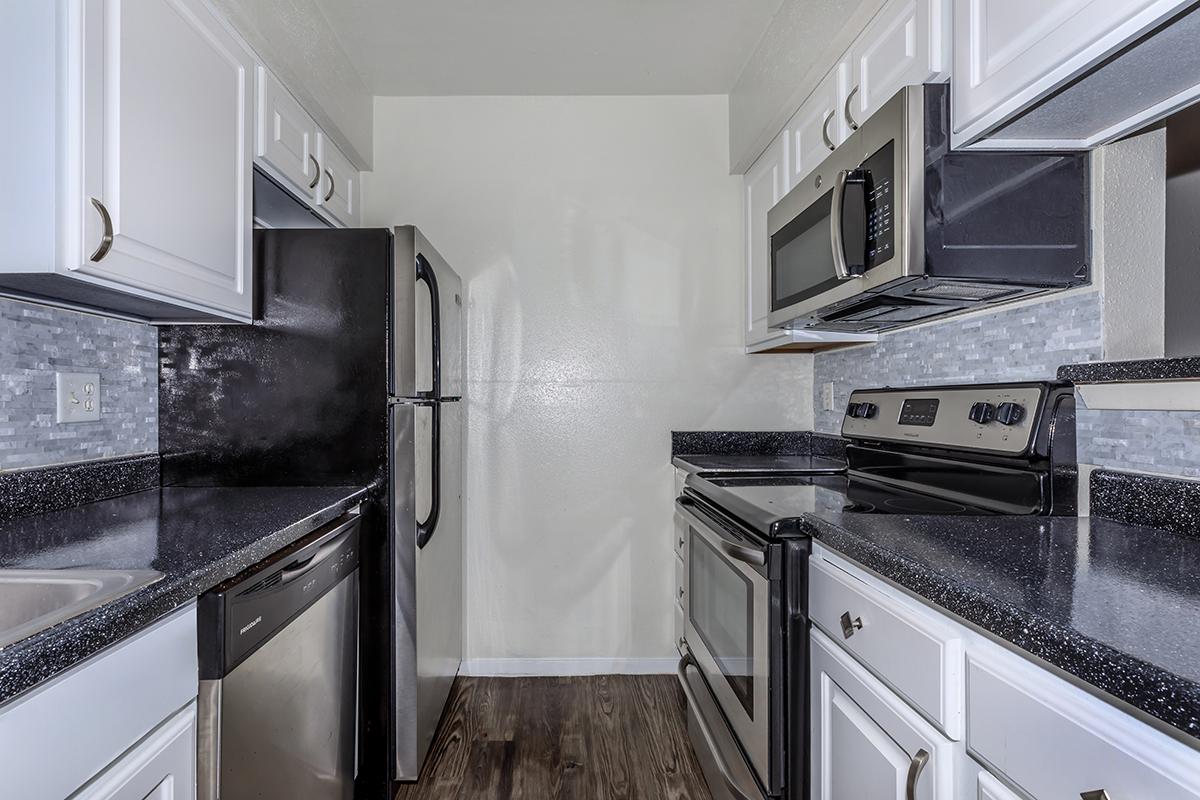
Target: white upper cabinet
[[764, 186], [818, 127], [286, 137], [164, 153], [1013, 56], [338, 185], [906, 44], [292, 148]]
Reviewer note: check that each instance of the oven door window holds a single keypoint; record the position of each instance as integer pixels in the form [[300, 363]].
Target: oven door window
[[802, 256], [721, 608]]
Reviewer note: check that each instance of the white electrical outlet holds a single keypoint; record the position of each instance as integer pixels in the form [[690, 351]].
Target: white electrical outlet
[[78, 396], [827, 395]]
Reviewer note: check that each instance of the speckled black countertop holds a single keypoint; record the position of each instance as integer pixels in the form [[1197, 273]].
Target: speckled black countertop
[[756, 463], [1106, 601], [1145, 370], [197, 537]]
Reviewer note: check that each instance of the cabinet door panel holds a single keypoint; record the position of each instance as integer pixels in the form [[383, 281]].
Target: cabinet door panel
[[338, 185], [161, 767], [818, 127], [286, 136], [1009, 52], [903, 46], [167, 124], [865, 740], [764, 187]]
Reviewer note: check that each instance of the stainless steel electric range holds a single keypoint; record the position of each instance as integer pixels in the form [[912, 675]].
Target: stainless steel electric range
[[745, 540]]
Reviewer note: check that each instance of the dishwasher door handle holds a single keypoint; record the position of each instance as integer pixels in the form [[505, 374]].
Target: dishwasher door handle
[[301, 568]]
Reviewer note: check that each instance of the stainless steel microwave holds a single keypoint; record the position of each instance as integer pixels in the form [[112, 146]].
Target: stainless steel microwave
[[894, 228]]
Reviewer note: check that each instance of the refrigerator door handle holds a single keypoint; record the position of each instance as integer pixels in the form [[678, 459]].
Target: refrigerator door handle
[[426, 528], [425, 273]]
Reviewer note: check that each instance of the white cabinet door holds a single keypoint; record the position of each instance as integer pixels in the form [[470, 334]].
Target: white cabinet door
[[907, 43], [764, 186], [1009, 53], [166, 153], [865, 742], [818, 127], [990, 788], [160, 767], [338, 185], [286, 137]]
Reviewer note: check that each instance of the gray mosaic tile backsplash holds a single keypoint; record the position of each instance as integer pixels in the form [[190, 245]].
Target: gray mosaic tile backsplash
[[35, 342], [1166, 442], [1022, 343]]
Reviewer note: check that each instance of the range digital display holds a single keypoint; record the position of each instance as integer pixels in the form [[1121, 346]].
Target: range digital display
[[921, 412]]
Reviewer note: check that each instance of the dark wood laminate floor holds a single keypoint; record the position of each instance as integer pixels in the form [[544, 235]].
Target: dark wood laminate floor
[[593, 738]]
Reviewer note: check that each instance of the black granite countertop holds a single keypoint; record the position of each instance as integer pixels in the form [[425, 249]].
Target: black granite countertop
[[1140, 371], [197, 537], [1111, 603], [757, 463]]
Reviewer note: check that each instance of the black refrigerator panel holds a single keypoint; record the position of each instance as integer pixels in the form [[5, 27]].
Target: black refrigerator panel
[[300, 396]]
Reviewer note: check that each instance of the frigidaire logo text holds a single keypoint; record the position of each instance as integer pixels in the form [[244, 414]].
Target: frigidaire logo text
[[255, 621]]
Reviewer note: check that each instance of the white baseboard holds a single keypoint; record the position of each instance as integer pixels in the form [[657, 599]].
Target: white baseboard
[[556, 667]]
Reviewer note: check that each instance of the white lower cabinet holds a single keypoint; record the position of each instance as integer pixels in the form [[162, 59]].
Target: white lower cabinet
[[866, 742], [161, 767], [120, 725], [1036, 735]]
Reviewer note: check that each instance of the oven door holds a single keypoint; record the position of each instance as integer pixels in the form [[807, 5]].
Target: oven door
[[726, 606]]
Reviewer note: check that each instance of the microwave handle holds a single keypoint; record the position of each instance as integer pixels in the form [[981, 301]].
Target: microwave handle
[[844, 179], [840, 267]]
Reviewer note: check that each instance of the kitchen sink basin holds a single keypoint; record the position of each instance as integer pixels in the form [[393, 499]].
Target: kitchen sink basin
[[33, 600]]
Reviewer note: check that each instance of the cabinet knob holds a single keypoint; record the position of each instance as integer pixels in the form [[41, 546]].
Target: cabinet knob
[[850, 624], [1098, 794], [107, 239], [316, 172], [681, 543], [849, 116], [681, 591]]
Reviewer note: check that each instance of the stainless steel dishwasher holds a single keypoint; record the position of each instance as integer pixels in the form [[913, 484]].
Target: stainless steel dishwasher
[[278, 649]]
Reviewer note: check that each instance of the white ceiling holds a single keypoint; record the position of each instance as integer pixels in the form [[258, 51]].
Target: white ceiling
[[467, 47]]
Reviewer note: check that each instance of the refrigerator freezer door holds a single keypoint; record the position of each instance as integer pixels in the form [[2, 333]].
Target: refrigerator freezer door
[[428, 578], [427, 346]]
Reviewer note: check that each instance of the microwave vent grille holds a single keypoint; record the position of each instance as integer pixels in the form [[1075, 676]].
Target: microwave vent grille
[[964, 291]]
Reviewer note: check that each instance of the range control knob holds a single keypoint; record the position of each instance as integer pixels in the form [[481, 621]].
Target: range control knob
[[983, 413], [852, 410], [866, 410], [1010, 413]]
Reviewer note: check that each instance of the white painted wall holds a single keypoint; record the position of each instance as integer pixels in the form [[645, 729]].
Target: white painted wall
[[1129, 242], [599, 240]]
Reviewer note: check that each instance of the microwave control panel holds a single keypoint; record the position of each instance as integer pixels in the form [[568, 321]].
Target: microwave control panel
[[880, 193], [1000, 418]]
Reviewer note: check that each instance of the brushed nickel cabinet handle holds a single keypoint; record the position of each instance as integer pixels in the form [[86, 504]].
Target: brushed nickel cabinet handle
[[849, 116], [329, 194], [106, 240], [915, 768], [316, 171], [825, 131], [850, 625], [1098, 794]]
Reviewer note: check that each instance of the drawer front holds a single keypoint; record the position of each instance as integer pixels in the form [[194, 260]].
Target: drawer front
[[992, 789], [917, 655], [1055, 740], [60, 735]]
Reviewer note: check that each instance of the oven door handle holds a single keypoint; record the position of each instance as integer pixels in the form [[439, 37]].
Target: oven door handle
[[729, 546], [689, 660]]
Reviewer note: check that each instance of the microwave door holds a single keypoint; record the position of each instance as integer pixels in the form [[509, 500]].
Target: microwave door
[[803, 265]]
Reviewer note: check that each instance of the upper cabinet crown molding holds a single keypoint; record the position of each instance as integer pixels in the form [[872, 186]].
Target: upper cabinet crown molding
[[1069, 74]]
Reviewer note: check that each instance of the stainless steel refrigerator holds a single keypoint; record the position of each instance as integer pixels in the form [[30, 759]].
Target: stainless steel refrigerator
[[426, 423], [351, 374]]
